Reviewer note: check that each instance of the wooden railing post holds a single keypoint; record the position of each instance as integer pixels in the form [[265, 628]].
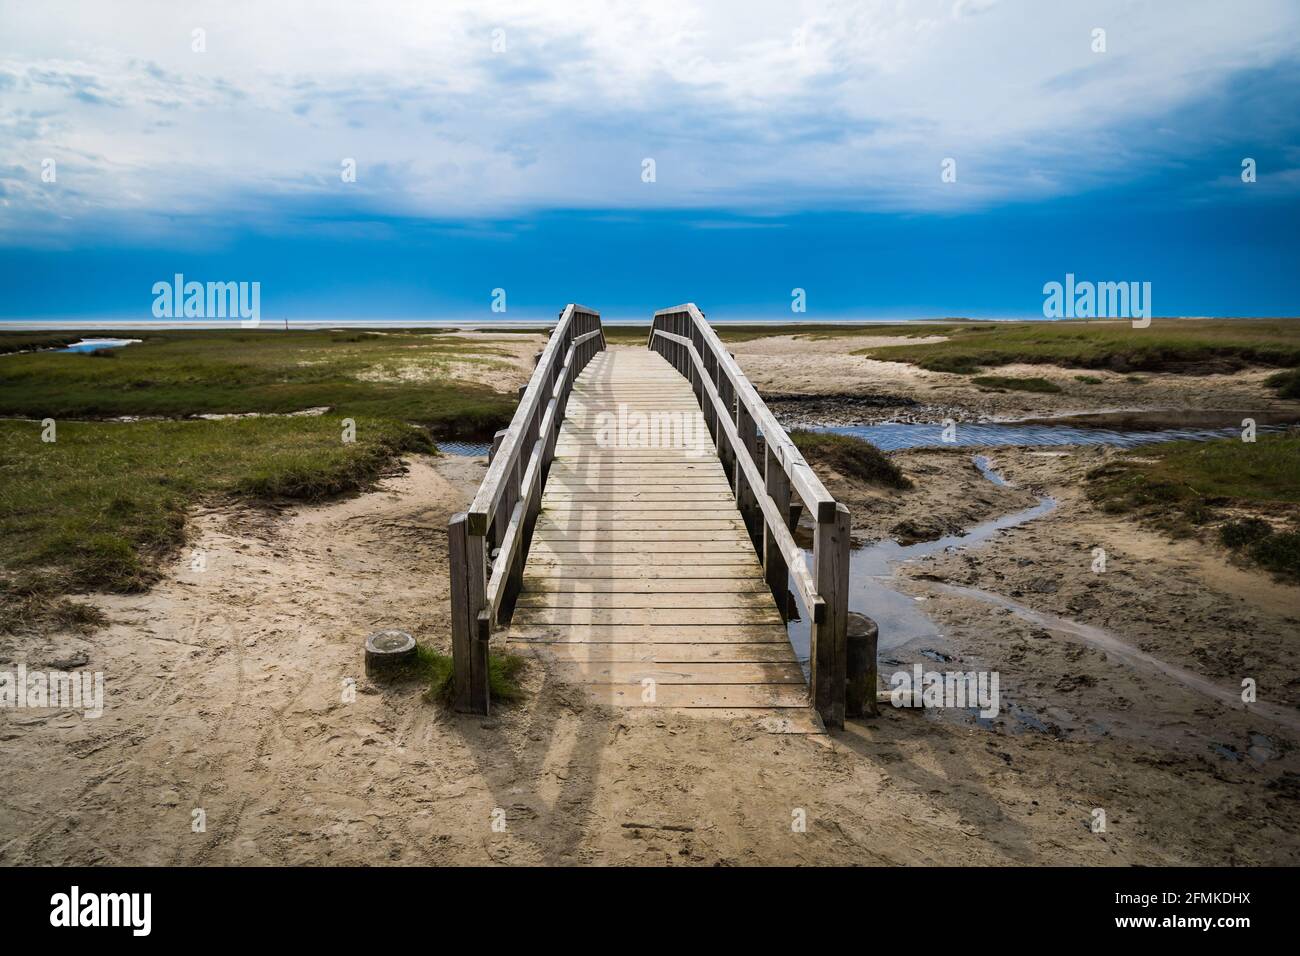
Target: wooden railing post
[[747, 431], [830, 644], [775, 570], [469, 646]]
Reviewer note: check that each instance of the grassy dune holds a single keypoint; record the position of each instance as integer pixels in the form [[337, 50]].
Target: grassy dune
[[97, 509], [849, 455], [406, 376], [1185, 488], [1168, 345]]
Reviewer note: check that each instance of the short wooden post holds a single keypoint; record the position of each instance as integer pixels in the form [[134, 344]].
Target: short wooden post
[[469, 646], [863, 680], [829, 635], [775, 570]]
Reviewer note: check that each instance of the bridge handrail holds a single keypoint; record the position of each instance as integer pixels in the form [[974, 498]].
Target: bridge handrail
[[488, 544], [735, 415]]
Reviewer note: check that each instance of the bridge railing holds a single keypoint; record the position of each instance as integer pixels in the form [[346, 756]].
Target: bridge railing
[[488, 544], [763, 478]]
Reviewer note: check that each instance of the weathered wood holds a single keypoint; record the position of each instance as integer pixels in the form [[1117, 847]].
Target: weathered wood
[[829, 642], [597, 652], [662, 599], [738, 387], [775, 569], [862, 679], [645, 633], [682, 673], [640, 566], [469, 650]]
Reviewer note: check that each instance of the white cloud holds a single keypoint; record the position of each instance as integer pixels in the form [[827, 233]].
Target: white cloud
[[754, 106]]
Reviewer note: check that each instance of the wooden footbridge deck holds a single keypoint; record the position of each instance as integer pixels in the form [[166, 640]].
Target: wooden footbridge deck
[[634, 532]]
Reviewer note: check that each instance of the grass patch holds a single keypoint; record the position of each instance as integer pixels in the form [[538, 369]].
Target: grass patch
[[403, 375], [851, 456], [30, 605], [1088, 379], [97, 509], [1286, 383], [1279, 553], [1016, 384], [1179, 487], [1167, 345], [1244, 531], [29, 341], [435, 670]]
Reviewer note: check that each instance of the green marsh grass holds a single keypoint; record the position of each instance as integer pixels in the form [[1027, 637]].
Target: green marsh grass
[[1180, 487], [406, 376], [1167, 345], [98, 508]]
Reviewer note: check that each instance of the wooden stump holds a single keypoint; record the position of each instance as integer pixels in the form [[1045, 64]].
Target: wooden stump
[[861, 699], [388, 651]]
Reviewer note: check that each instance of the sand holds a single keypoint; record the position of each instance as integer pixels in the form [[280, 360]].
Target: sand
[[796, 365], [230, 690]]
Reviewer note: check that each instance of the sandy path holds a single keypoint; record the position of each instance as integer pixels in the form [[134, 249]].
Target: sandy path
[[226, 692]]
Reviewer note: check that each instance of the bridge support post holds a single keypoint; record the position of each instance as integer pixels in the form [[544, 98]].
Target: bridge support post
[[469, 645], [830, 646], [775, 570], [746, 499]]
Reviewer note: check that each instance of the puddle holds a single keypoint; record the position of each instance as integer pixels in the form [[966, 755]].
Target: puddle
[[465, 449], [871, 568], [94, 345]]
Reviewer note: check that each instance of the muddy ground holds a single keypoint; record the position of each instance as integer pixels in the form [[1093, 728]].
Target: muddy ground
[[820, 381], [231, 690]]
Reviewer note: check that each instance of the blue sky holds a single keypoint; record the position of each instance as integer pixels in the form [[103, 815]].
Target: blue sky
[[498, 145]]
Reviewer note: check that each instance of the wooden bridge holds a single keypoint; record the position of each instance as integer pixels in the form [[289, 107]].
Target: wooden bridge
[[634, 531]]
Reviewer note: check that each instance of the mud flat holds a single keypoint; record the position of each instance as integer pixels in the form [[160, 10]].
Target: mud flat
[[835, 386]]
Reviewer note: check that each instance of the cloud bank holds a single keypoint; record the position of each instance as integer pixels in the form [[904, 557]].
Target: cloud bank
[[463, 110]]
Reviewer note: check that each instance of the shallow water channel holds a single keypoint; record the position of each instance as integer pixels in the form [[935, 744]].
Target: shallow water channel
[[901, 618]]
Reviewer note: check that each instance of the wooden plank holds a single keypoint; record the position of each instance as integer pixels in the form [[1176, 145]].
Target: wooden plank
[[662, 653], [542, 584], [655, 616], [700, 672], [612, 521], [633, 571], [701, 695], [667, 600], [646, 634], [635, 536], [597, 548], [575, 560]]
